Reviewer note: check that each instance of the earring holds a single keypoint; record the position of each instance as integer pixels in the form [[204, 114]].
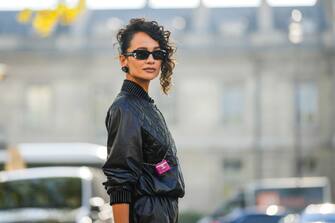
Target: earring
[[125, 69]]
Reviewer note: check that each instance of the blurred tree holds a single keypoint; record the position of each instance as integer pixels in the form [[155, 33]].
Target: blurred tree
[[24, 16], [45, 21]]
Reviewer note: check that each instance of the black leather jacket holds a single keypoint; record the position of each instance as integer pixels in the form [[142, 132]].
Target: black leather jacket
[[138, 138]]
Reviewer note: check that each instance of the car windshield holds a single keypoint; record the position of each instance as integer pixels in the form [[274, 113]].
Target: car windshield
[[61, 192], [294, 199], [259, 219], [329, 218]]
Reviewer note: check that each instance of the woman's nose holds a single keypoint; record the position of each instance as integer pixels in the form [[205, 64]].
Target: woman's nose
[[150, 59]]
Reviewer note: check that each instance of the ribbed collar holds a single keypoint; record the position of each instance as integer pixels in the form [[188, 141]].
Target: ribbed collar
[[135, 89]]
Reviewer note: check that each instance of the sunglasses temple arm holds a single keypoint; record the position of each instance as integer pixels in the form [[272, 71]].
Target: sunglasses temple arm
[[129, 54]]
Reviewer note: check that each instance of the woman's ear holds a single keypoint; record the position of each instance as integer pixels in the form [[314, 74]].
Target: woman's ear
[[123, 61]]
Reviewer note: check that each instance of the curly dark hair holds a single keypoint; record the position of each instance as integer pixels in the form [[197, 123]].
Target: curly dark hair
[[156, 32]]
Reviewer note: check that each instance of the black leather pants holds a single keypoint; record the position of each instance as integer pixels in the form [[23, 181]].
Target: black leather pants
[[154, 209]]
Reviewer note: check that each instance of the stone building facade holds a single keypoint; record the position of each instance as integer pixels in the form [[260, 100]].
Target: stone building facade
[[249, 101]]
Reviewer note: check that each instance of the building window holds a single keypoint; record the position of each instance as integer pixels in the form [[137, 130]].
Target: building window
[[309, 163], [307, 102], [232, 165], [38, 101], [233, 104]]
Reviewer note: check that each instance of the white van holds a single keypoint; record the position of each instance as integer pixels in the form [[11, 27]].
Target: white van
[[59, 154], [54, 194]]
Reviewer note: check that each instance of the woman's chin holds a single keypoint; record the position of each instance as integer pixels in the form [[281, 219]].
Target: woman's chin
[[147, 76]]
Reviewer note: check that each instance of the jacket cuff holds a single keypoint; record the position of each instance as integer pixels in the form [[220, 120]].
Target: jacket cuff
[[121, 196]]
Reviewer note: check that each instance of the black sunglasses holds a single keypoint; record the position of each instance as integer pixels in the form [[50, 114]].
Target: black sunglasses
[[144, 54]]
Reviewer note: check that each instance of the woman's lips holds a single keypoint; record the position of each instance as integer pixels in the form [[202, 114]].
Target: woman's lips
[[150, 70]]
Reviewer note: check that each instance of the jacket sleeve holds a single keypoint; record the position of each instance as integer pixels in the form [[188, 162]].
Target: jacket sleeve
[[124, 160]]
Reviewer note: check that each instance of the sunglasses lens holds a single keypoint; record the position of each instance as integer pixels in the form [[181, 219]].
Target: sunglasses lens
[[144, 54], [141, 54], [159, 55]]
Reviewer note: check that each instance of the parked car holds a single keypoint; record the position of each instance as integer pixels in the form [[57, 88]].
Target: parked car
[[292, 193], [54, 194], [271, 214], [290, 218], [318, 213]]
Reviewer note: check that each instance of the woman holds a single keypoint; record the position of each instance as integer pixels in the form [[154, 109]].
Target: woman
[[144, 180]]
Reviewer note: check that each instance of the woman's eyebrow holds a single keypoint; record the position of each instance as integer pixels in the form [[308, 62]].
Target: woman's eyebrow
[[146, 48]]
